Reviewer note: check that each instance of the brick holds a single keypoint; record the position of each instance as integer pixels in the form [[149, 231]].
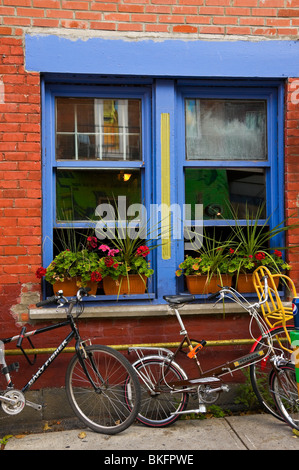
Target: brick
[[171, 19], [30, 12], [238, 30], [184, 29], [129, 27], [211, 30], [198, 19], [144, 18], [157, 28], [69, 5], [59, 14]]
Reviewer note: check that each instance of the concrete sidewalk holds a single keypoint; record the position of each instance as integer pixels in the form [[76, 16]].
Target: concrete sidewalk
[[248, 432]]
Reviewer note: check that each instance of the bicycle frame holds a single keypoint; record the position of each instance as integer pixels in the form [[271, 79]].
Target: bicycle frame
[[228, 367], [19, 338]]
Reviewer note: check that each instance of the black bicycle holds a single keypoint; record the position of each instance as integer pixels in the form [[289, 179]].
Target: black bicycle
[[101, 385]]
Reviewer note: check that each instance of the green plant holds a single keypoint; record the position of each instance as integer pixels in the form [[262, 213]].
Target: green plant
[[126, 249], [213, 258], [4, 441], [121, 263], [250, 244], [69, 264], [245, 394]]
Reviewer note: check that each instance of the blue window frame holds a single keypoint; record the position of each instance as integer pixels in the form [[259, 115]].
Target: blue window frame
[[157, 97], [268, 163], [63, 162]]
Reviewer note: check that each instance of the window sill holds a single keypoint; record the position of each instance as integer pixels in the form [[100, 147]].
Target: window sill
[[130, 311]]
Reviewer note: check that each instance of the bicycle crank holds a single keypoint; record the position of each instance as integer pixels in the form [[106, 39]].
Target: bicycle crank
[[209, 394], [13, 402]]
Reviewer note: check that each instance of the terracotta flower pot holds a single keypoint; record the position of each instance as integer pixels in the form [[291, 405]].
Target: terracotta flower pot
[[200, 284], [245, 283], [70, 287], [122, 286]]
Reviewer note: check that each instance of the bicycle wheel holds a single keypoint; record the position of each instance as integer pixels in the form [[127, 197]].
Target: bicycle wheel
[[158, 401], [284, 389], [259, 372], [113, 405]]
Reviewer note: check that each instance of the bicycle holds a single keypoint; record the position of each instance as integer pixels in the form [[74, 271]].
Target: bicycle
[[284, 380], [165, 384], [101, 385]]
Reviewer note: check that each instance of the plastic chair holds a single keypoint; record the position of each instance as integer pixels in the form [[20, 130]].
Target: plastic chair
[[274, 311]]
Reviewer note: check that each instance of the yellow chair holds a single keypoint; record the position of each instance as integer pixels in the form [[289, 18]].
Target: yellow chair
[[274, 311]]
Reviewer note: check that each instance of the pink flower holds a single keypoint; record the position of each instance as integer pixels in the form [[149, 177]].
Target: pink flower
[[40, 272], [113, 252], [104, 247]]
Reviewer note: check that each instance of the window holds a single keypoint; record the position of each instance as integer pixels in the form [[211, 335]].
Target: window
[[101, 142], [229, 154], [98, 149]]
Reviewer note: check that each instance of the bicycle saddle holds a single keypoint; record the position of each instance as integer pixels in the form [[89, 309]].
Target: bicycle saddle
[[178, 299]]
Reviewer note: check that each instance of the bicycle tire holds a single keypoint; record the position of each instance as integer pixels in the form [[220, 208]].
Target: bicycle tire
[[157, 408], [259, 372], [113, 407], [284, 389]]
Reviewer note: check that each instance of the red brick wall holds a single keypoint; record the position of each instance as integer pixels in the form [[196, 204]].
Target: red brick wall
[[222, 17], [20, 128]]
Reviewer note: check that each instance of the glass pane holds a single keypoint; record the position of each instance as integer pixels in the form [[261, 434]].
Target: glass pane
[[225, 129], [216, 189], [98, 129], [79, 192]]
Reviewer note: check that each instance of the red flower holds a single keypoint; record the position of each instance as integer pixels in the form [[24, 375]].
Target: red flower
[[92, 242], [231, 250], [259, 256], [278, 253], [95, 276], [142, 251], [109, 261], [40, 272]]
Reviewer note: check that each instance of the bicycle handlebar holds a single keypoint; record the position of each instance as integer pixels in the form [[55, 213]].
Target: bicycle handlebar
[[228, 290], [83, 291]]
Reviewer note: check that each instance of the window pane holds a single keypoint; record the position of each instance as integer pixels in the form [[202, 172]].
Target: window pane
[[79, 192], [98, 129], [215, 189], [225, 129]]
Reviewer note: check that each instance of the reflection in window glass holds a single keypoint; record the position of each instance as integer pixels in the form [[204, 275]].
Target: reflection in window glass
[[217, 189], [225, 129], [79, 192], [98, 129]]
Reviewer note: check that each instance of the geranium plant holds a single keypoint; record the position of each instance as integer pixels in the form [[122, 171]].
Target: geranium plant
[[116, 262], [242, 262], [250, 246], [213, 258], [67, 264]]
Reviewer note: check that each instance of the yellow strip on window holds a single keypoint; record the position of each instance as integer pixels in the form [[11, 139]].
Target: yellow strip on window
[[165, 186]]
